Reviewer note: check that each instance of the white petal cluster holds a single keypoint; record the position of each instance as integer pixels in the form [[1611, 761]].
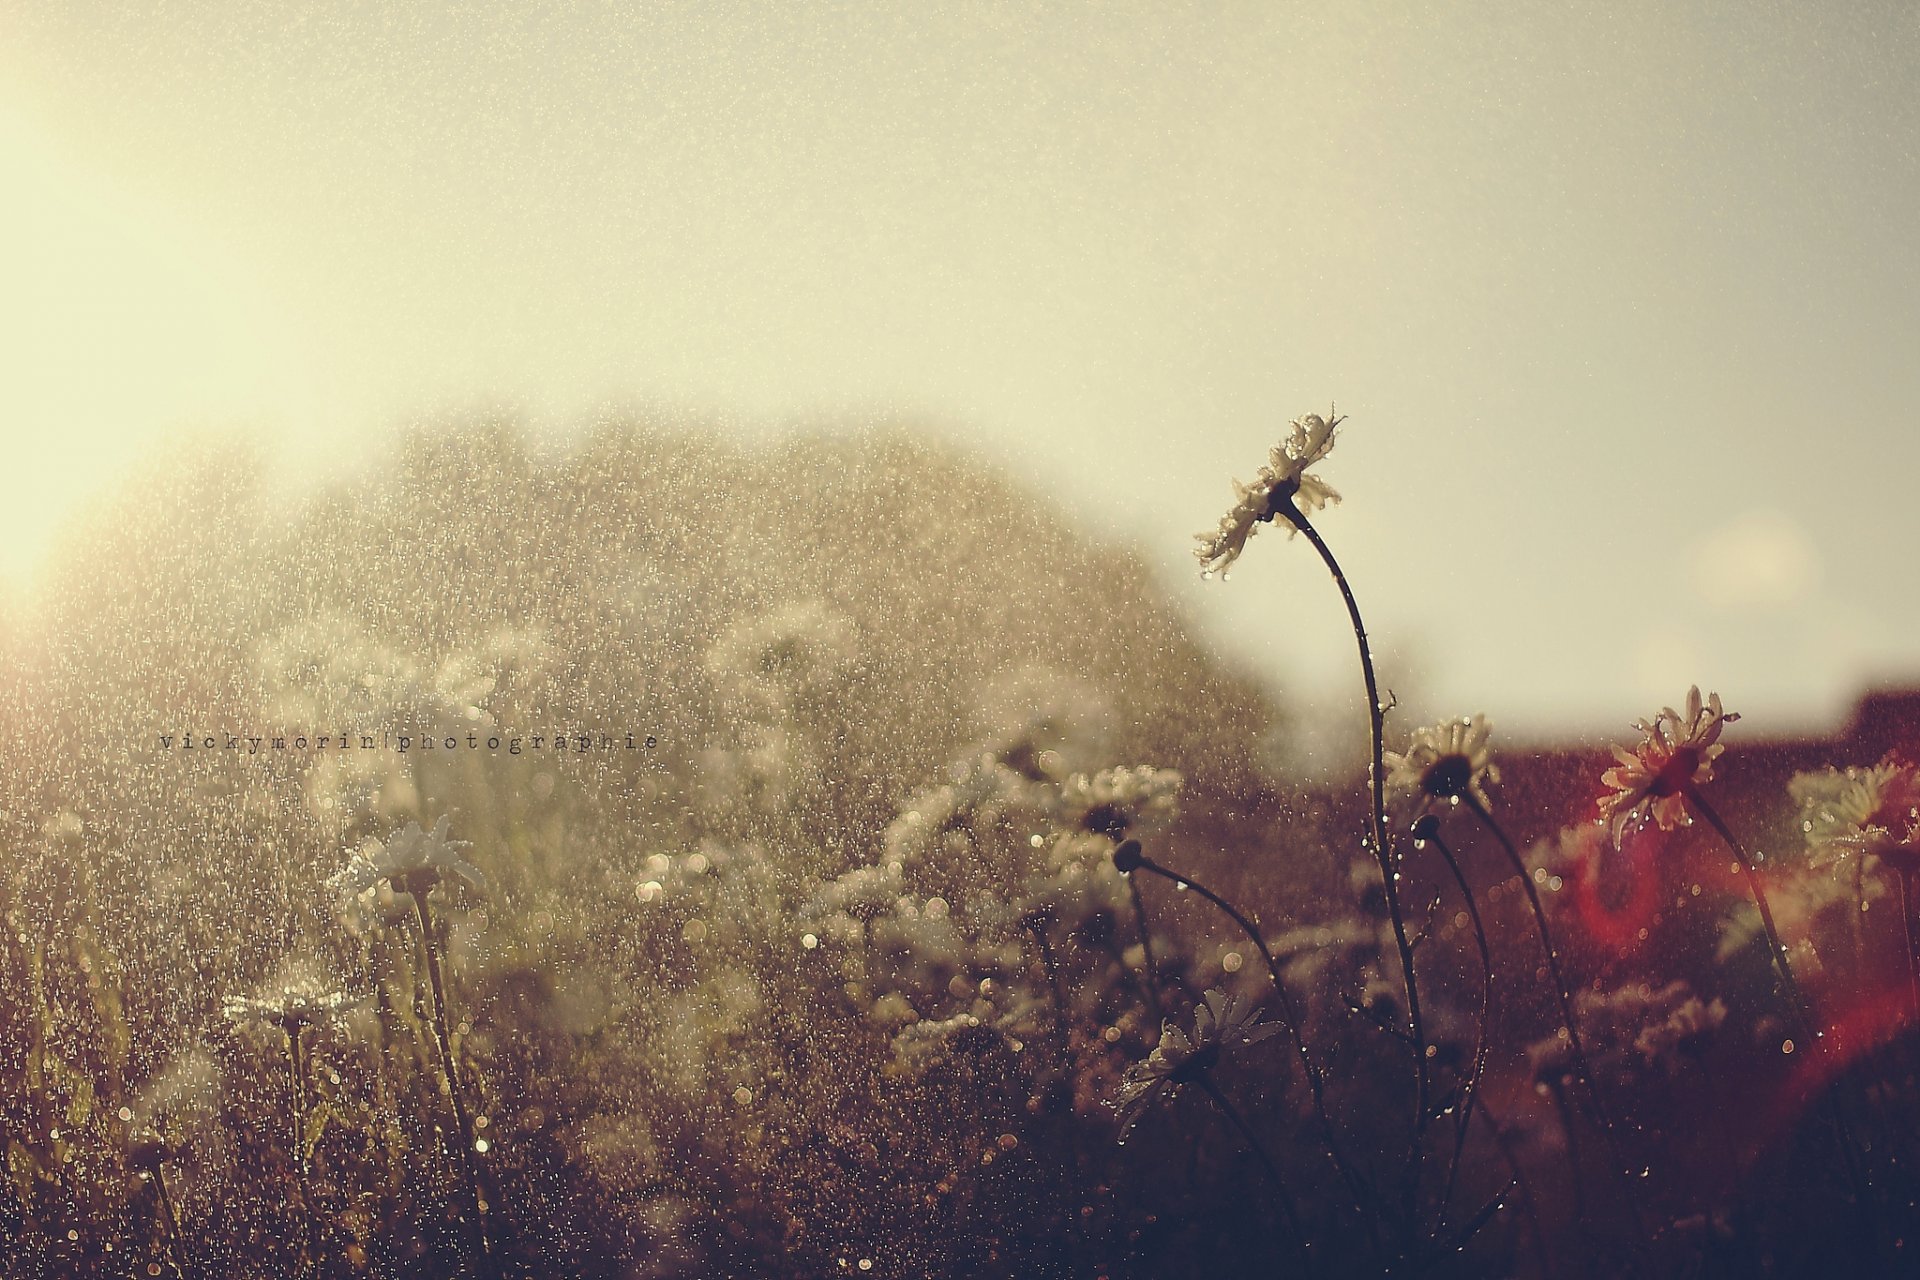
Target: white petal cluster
[[289, 1007], [1632, 1030], [1675, 755], [1443, 763], [1871, 813], [1222, 1023], [1282, 480], [410, 852]]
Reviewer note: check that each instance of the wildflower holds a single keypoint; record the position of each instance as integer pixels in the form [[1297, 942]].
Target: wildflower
[[1222, 1023], [1112, 802], [1443, 763], [1674, 758], [1281, 486], [1869, 813], [862, 894], [1074, 895], [411, 860], [797, 653], [289, 1007], [147, 1150], [943, 824], [1633, 1030]]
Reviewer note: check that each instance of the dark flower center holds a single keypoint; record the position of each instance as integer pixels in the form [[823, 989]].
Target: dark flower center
[[1280, 499], [1676, 775], [1107, 820], [1449, 776], [1193, 1068], [417, 881]]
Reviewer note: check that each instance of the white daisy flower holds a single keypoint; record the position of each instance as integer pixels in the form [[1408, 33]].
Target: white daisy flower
[[1864, 813], [289, 1007], [1113, 801], [1675, 756], [1222, 1023], [1443, 763], [410, 860], [1281, 485]]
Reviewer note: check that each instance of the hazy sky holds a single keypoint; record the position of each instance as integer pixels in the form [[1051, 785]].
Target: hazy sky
[[1624, 301]]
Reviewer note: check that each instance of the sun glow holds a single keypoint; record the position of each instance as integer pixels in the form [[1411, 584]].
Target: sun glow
[[122, 331]]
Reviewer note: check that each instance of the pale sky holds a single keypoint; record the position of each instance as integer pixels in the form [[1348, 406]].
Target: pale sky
[[1624, 302]]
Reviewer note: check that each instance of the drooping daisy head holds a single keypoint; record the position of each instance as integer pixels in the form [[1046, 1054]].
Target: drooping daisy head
[[1442, 765], [1675, 756], [1282, 485], [410, 860], [1222, 1024], [1871, 813]]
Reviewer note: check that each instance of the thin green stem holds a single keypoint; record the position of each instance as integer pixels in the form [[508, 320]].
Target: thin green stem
[[443, 1037], [1286, 509]]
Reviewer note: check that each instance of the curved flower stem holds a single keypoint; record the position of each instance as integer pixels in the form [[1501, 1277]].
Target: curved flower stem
[[1060, 1026], [1290, 1019], [1286, 509], [443, 1038], [1529, 1209], [1146, 950], [1565, 994], [171, 1217], [297, 1080], [1470, 1088], [1570, 1129], [1913, 955], [1801, 1013], [1287, 1209]]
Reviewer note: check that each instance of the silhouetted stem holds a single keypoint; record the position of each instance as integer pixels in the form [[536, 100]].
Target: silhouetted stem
[[1797, 1004], [1247, 1135], [1557, 1087], [1376, 780], [443, 1037], [1048, 966], [1289, 1019], [171, 1217], [297, 1079], [1913, 954], [1146, 949], [1528, 1207], [1565, 995], [1469, 1089]]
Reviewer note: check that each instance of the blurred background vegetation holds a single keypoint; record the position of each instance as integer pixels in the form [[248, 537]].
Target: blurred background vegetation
[[837, 976]]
